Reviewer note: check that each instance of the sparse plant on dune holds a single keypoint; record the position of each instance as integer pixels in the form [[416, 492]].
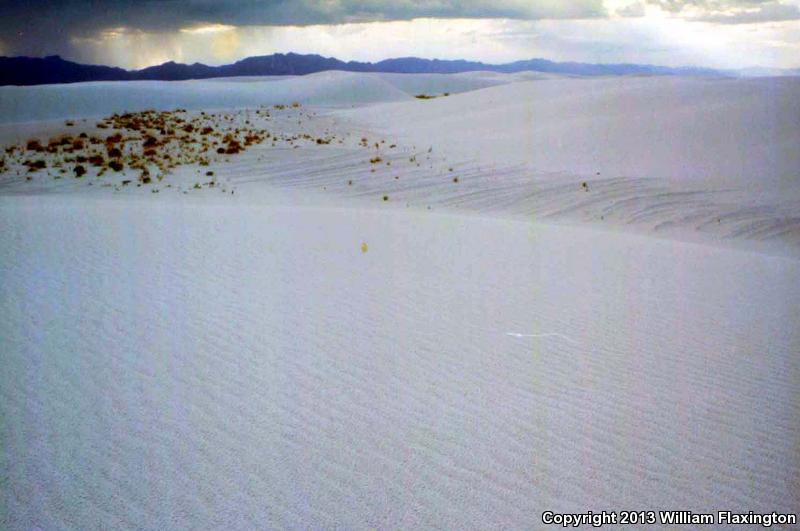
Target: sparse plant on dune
[[34, 165], [160, 141], [34, 145]]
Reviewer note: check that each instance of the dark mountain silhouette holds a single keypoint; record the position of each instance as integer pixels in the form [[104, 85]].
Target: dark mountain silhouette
[[54, 69]]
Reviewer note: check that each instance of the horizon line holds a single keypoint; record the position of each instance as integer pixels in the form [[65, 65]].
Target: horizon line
[[432, 59]]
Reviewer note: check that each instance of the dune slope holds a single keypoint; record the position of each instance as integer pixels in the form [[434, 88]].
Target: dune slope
[[411, 314], [50, 102], [713, 130], [217, 365]]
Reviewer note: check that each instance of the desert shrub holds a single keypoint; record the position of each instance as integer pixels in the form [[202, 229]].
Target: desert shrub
[[34, 165], [233, 148], [80, 171], [34, 145]]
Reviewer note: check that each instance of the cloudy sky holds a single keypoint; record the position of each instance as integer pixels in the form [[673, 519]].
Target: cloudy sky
[[138, 33]]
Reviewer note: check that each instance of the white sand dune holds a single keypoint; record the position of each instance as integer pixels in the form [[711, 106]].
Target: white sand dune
[[677, 155], [194, 359], [684, 129], [52, 102]]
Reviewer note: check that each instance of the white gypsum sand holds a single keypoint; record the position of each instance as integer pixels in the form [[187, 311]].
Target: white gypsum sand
[[200, 359]]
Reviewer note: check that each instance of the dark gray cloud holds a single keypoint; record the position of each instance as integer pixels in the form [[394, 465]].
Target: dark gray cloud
[[39, 27], [676, 6], [633, 10], [770, 12], [733, 11], [44, 27]]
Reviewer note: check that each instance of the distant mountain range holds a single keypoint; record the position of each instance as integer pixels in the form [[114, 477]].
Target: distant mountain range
[[54, 69]]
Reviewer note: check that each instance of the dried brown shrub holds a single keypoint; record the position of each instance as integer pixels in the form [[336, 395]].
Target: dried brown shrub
[[34, 145]]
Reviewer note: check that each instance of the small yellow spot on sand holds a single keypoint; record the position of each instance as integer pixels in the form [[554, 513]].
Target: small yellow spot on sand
[[364, 247]]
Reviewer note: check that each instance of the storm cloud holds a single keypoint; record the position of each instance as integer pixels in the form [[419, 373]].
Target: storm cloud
[[39, 27], [136, 33], [732, 11]]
